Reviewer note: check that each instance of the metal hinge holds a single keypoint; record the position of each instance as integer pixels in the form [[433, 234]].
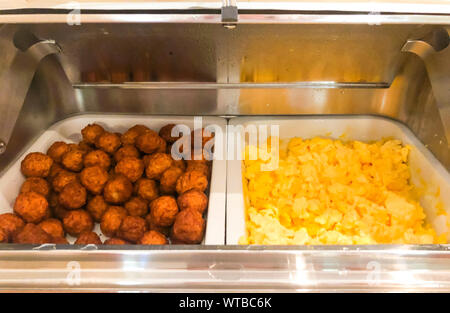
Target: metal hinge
[[229, 14]]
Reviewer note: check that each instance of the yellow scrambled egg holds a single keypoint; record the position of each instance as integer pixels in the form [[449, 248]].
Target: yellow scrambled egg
[[327, 191]]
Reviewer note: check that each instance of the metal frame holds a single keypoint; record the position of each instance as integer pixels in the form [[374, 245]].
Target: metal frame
[[396, 6], [207, 85], [267, 18], [231, 12], [227, 268]]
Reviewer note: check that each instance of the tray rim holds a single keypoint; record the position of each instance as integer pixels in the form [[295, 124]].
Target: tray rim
[[217, 168], [264, 118]]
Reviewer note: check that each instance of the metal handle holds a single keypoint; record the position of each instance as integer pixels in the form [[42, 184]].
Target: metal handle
[[15, 83], [436, 56]]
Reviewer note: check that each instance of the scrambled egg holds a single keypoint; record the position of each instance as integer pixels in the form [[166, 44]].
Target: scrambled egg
[[327, 191]]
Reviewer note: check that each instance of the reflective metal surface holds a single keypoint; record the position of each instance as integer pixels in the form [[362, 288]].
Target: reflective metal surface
[[211, 16], [377, 6], [16, 80], [138, 52], [249, 53], [305, 64], [437, 62], [228, 268]]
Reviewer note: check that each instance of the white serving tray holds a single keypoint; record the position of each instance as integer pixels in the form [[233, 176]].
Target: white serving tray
[[69, 130], [426, 171]]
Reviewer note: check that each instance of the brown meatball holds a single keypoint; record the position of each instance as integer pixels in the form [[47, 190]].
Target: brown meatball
[[169, 150], [166, 133], [91, 132], [53, 200], [36, 164], [149, 142], [31, 206], [162, 147], [94, 179], [118, 190], [57, 150], [60, 240], [163, 210], [137, 206], [48, 213], [193, 199], [108, 142], [11, 224], [72, 146], [169, 179], [189, 227], [88, 238], [73, 160], [191, 180], [132, 228], [146, 159], [3, 236], [85, 146], [181, 164], [54, 171], [112, 219], [147, 189], [175, 241], [131, 168], [63, 179], [77, 221], [97, 158], [199, 166], [53, 227], [153, 237], [73, 196], [126, 151], [32, 234], [129, 137], [97, 206], [115, 241], [36, 184], [157, 164], [152, 226], [59, 211]]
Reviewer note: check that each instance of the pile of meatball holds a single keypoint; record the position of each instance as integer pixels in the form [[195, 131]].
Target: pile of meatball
[[129, 183]]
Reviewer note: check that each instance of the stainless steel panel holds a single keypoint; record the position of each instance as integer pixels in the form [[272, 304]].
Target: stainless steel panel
[[339, 53], [398, 6], [16, 80], [249, 53], [231, 268], [436, 56], [49, 99], [139, 52]]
